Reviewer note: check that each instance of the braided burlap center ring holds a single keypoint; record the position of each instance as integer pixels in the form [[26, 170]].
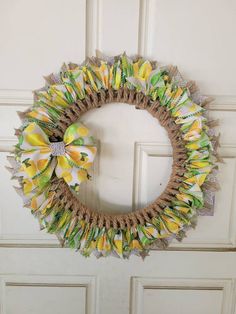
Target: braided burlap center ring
[[67, 199]]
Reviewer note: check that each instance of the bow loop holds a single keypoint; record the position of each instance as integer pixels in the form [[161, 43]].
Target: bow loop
[[33, 137], [78, 134]]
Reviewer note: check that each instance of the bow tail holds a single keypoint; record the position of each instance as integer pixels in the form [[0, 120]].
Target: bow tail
[[44, 177], [72, 175], [34, 162], [34, 183]]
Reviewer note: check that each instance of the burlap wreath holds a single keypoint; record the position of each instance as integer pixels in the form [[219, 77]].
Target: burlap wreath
[[179, 108]]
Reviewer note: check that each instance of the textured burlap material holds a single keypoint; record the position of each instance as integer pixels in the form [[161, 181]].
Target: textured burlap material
[[140, 216]]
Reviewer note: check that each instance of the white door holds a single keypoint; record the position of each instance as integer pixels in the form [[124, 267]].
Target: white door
[[197, 276]]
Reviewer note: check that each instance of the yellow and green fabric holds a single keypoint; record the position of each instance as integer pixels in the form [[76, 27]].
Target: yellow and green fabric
[[40, 161], [69, 159]]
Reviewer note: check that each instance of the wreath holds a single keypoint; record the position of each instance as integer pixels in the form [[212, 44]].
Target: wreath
[[55, 151]]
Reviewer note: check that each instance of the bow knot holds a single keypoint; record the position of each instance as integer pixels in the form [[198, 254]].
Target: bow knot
[[58, 148], [69, 159]]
